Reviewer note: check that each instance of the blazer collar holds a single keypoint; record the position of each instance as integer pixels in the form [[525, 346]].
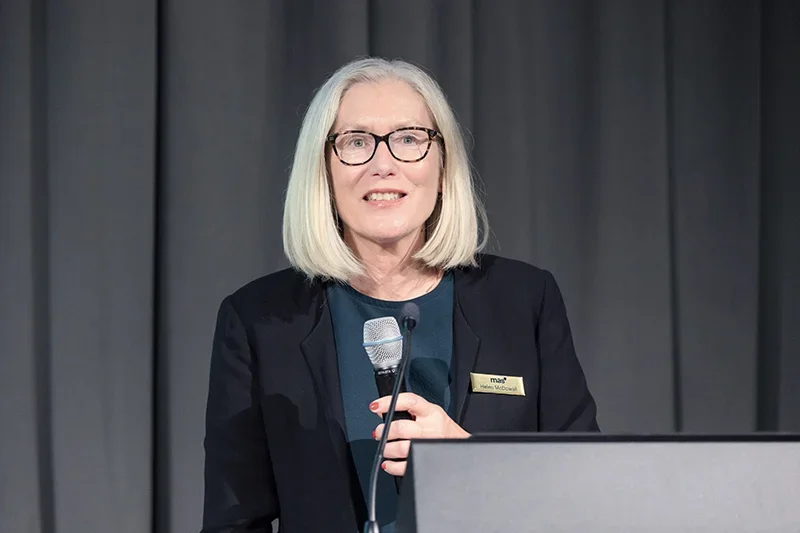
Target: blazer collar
[[319, 350], [466, 343]]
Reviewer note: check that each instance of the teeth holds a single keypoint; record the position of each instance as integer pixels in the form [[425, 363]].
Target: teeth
[[383, 196]]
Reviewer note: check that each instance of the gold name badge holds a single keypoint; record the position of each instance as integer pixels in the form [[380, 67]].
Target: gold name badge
[[493, 384]]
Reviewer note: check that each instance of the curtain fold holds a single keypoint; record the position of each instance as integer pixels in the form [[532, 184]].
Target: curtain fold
[[644, 152]]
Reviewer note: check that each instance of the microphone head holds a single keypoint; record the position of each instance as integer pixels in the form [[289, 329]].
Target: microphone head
[[383, 342], [410, 315]]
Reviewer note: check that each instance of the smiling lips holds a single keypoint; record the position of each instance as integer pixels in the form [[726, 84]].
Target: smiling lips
[[384, 197]]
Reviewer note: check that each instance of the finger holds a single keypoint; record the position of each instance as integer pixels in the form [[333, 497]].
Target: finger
[[399, 429], [406, 401], [404, 430], [395, 468], [397, 449]]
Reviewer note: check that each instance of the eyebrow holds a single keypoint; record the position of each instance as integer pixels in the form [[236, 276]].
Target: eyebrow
[[395, 126]]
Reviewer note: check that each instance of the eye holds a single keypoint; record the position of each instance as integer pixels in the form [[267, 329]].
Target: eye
[[411, 139], [355, 142]]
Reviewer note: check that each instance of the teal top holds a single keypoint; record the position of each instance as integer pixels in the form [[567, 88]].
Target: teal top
[[428, 372]]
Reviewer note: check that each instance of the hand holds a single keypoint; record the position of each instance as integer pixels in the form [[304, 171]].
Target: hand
[[430, 422]]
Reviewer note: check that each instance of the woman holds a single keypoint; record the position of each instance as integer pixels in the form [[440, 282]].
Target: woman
[[380, 210]]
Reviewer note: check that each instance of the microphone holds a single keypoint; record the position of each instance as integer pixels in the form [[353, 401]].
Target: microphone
[[410, 318], [383, 343]]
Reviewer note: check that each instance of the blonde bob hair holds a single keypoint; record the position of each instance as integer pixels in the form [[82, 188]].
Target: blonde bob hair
[[312, 240]]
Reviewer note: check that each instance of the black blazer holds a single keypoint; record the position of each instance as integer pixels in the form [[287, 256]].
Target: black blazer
[[275, 440]]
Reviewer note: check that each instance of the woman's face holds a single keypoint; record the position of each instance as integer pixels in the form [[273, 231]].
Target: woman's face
[[384, 201]]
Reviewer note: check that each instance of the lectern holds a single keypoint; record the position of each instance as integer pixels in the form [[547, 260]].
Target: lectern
[[603, 484]]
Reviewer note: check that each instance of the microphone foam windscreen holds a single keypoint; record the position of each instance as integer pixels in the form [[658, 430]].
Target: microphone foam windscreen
[[383, 342], [411, 310]]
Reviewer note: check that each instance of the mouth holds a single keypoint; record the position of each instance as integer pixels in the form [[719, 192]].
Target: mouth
[[384, 197]]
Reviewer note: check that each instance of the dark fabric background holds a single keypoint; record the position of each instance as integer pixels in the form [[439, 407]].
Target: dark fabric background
[[645, 151]]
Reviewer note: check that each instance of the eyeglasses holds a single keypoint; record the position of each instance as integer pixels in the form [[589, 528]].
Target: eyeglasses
[[409, 145]]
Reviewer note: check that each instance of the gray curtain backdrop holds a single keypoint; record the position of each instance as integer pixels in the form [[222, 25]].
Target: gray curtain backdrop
[[646, 151]]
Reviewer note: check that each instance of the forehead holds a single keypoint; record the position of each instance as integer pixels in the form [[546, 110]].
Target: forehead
[[379, 106]]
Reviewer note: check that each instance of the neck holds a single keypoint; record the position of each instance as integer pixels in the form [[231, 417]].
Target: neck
[[391, 273]]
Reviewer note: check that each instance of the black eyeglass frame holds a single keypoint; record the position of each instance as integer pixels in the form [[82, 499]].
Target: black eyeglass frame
[[432, 134]]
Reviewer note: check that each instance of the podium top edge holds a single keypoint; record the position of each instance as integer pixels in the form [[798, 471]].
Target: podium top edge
[[619, 438]]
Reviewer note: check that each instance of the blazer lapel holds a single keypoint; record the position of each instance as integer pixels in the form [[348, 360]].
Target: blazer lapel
[[319, 349], [466, 344]]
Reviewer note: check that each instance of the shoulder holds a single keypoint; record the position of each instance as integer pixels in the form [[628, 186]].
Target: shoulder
[[497, 266], [280, 295], [501, 273], [502, 283]]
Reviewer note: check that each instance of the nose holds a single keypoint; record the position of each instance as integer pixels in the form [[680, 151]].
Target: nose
[[383, 162]]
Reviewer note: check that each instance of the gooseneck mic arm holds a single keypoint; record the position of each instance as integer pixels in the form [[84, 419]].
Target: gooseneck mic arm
[[410, 319]]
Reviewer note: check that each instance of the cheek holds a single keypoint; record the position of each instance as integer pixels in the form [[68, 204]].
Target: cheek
[[341, 182], [427, 177]]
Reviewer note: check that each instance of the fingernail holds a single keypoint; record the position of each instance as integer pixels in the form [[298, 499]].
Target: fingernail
[[374, 434], [373, 406], [383, 465]]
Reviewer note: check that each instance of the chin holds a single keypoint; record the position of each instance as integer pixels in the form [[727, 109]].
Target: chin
[[384, 238], [388, 236]]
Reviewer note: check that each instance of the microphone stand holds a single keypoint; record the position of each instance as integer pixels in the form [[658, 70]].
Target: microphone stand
[[372, 523]]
